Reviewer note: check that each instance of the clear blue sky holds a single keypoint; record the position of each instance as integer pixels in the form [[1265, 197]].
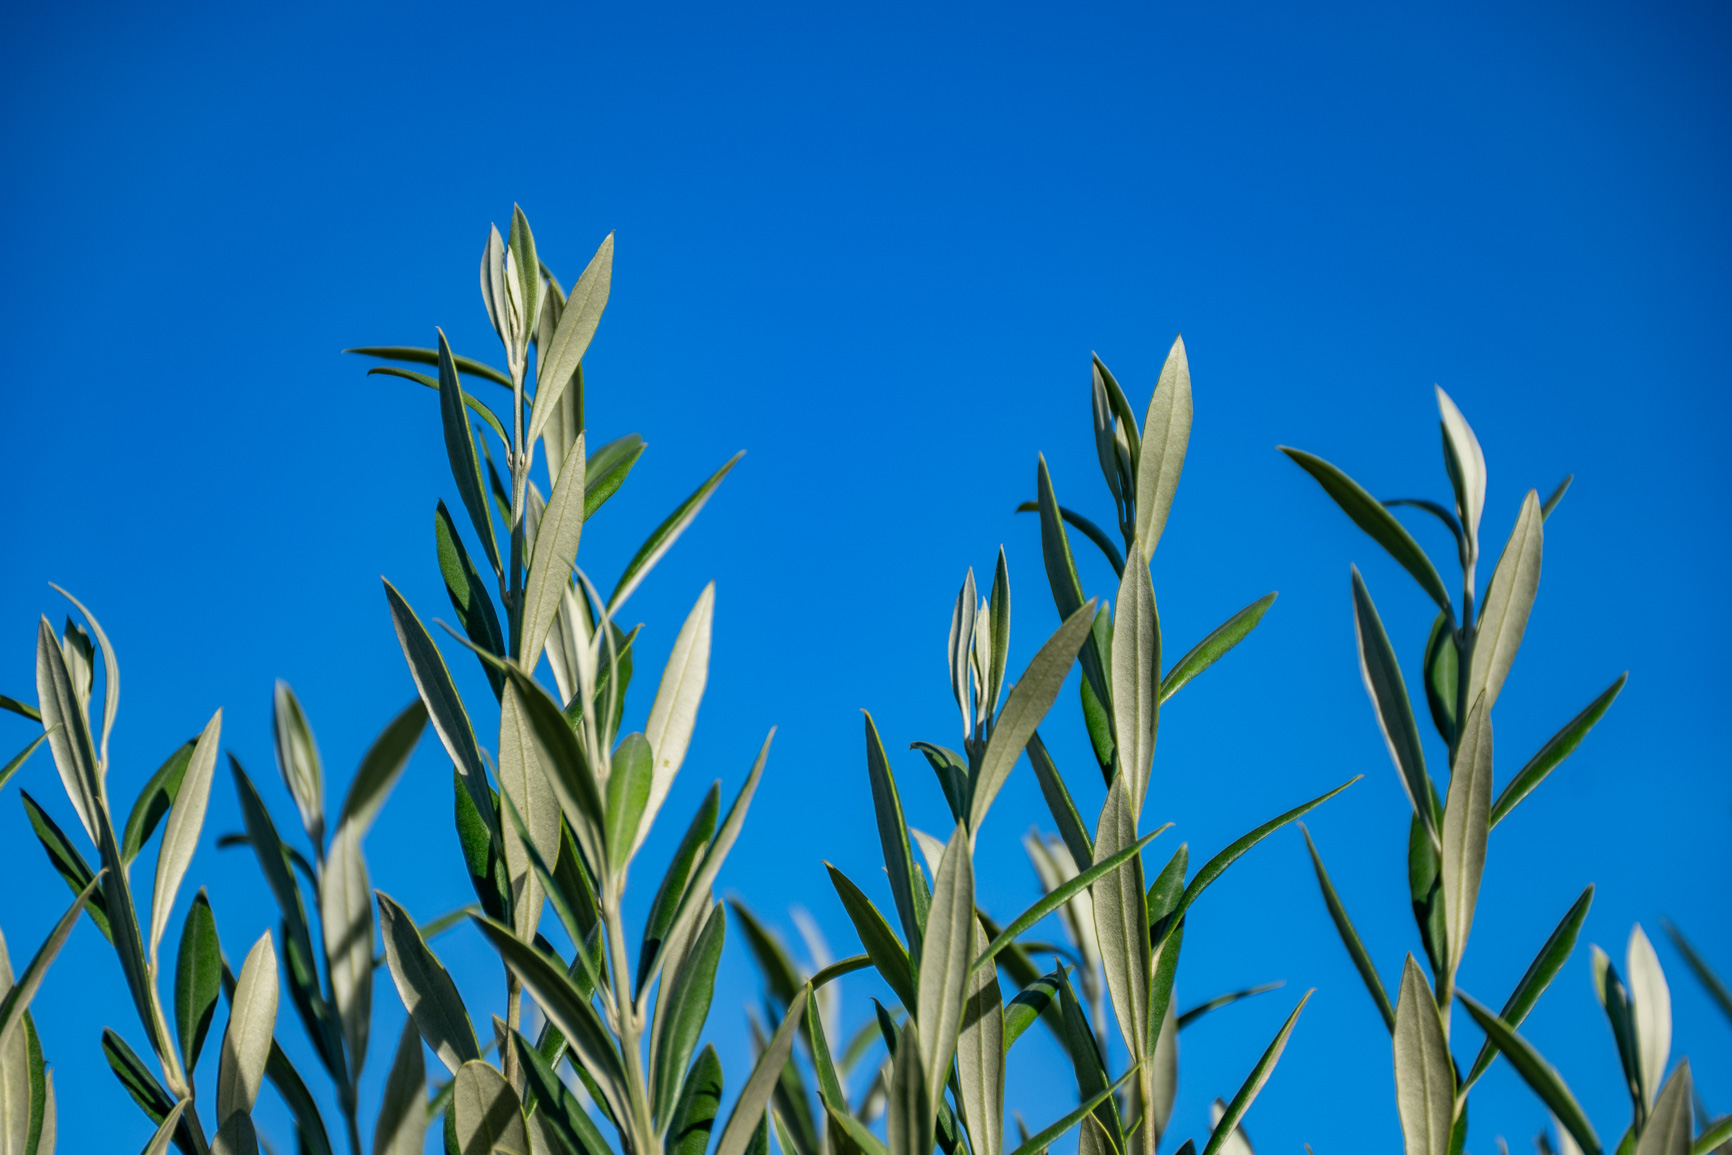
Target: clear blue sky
[[875, 251]]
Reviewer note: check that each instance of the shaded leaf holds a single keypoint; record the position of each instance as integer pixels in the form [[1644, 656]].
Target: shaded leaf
[[426, 988]]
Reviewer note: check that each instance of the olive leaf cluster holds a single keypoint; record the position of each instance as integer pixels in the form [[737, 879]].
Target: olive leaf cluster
[[942, 957], [1467, 658]]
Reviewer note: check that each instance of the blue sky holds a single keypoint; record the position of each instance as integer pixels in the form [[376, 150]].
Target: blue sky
[[875, 248]]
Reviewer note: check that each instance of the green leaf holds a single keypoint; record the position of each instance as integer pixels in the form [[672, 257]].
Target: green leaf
[[1166, 433], [673, 885], [1029, 700], [1218, 865], [1029, 1004], [460, 449], [1538, 977], [1254, 1082], [909, 1127], [782, 980], [1698, 965], [111, 667], [899, 864], [401, 1127], [887, 954], [426, 988], [1714, 1137], [681, 1010], [1061, 574], [1136, 675], [755, 1095], [1190, 1016], [1466, 822], [1651, 1000], [1383, 683], [416, 355], [1669, 1130], [247, 1041], [66, 860], [166, 1132], [1046, 1136], [17, 761], [562, 760], [1425, 891], [664, 536], [197, 979], [1442, 665], [556, 542], [468, 593], [22, 709], [980, 1052], [185, 824], [1058, 801], [154, 801], [1509, 599], [1057, 897], [1219, 640], [577, 325], [524, 785], [1122, 916], [1091, 1073], [1621, 1013], [1083, 525], [1349, 937], [674, 713], [444, 707], [1551, 502], [381, 766], [1369, 515], [607, 469], [1424, 1079], [1466, 464], [68, 731], [16, 1000], [951, 770], [942, 983], [566, 1008], [1536, 1073], [273, 860], [555, 1104], [298, 761], [346, 920], [469, 399], [1560, 746], [695, 1114], [487, 1113]]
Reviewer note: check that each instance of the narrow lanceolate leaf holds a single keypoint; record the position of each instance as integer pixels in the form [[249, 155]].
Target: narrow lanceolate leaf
[[563, 763], [298, 761], [66, 860], [1218, 865], [1669, 1130], [681, 1010], [567, 1009], [1219, 640], [1466, 822], [487, 1113], [165, 1131], [197, 979], [185, 824], [525, 785], [1651, 1000], [1058, 802], [1122, 919], [154, 801], [1466, 462], [755, 1095], [674, 713], [1382, 674], [16, 1000], [577, 324], [16, 762], [426, 988], [460, 449], [444, 707], [247, 1042], [1229, 1120], [1538, 977], [381, 766], [1369, 515], [1560, 746], [1350, 937], [1539, 1075], [346, 918], [1046, 1136], [1166, 433], [944, 960], [401, 1127], [905, 888], [1029, 700], [556, 542], [68, 731], [909, 1126], [469, 399], [20, 1076], [887, 954], [419, 355], [1508, 601], [1136, 676], [1704, 973], [664, 536], [1424, 1080], [111, 675], [980, 1049], [961, 647]]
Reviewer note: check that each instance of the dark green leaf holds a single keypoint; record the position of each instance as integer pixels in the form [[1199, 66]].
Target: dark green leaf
[[1537, 978], [382, 765], [197, 979], [1044, 1138], [1442, 670], [1383, 683], [1560, 746], [664, 536], [17, 999], [17, 761], [1538, 1074], [1029, 1004], [673, 884], [880, 941], [1254, 1082], [1551, 502], [1704, 973], [1194, 1013], [952, 772], [66, 860], [1350, 937], [781, 977], [1219, 640], [419, 356], [469, 399], [1064, 813], [628, 790], [1369, 515], [468, 594], [899, 862], [1088, 529], [460, 449], [551, 1098], [681, 1009], [22, 709], [695, 1114], [154, 801], [606, 469]]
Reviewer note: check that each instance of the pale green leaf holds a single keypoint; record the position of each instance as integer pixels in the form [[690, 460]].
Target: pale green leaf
[[1466, 822], [674, 713], [942, 984], [401, 1126], [556, 543], [766, 1072], [1509, 599], [247, 1041], [1166, 433], [346, 920], [1424, 1080], [1651, 1000], [488, 1114], [1136, 676], [1122, 917], [577, 324], [185, 824]]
